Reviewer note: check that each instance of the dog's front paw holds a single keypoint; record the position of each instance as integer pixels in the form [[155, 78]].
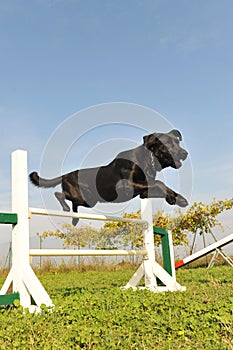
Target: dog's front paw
[[175, 198], [181, 201]]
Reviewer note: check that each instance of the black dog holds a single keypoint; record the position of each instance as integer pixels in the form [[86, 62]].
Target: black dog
[[130, 174]]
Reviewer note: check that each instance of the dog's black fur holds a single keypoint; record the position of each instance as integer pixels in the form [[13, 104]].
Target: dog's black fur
[[132, 173]]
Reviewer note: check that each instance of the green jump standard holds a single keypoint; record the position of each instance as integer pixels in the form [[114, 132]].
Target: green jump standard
[[167, 264]]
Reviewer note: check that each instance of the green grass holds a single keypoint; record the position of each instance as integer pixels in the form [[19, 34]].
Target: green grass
[[92, 312]]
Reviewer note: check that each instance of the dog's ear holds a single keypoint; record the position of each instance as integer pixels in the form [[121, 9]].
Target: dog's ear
[[150, 140], [175, 133]]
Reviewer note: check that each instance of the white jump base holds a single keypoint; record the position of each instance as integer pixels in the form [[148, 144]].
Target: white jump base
[[22, 277]]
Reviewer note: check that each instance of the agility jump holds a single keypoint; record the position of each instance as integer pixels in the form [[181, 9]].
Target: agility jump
[[22, 277]]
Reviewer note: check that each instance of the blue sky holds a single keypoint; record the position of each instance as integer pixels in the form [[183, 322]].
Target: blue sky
[[175, 57]]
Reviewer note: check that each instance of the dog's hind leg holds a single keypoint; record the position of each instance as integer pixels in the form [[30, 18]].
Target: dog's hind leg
[[61, 199], [75, 210]]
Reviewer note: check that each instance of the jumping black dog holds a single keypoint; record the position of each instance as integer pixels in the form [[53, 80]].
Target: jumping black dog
[[132, 173]]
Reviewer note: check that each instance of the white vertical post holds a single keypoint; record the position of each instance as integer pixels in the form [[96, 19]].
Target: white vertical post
[[146, 214], [20, 232], [148, 236], [24, 279]]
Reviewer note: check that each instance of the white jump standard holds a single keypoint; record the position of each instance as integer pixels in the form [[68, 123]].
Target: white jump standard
[[23, 278], [21, 275]]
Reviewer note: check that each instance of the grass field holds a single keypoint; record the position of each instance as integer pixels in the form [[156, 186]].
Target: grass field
[[92, 312]]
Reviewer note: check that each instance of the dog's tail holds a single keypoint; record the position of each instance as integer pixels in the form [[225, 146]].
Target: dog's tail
[[46, 183]]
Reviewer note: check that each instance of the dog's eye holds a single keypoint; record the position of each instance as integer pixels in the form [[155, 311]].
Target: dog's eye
[[169, 143], [176, 141]]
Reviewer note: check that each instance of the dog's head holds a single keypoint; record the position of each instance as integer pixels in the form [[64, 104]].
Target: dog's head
[[166, 149]]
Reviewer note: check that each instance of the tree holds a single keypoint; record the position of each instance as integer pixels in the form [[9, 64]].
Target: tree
[[168, 222], [117, 233], [74, 236], [199, 218]]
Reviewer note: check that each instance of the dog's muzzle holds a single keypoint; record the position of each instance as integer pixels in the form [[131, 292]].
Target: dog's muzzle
[[182, 155]]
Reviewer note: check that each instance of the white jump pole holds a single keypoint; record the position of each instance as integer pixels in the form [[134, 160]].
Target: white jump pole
[[86, 252], [85, 216]]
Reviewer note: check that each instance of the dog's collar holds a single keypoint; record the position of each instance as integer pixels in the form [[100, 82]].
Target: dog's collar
[[153, 162]]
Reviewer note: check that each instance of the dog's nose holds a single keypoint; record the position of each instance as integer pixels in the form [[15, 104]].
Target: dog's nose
[[183, 154]]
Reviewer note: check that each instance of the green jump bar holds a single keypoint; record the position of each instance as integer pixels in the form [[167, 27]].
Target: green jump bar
[[8, 218], [8, 299]]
